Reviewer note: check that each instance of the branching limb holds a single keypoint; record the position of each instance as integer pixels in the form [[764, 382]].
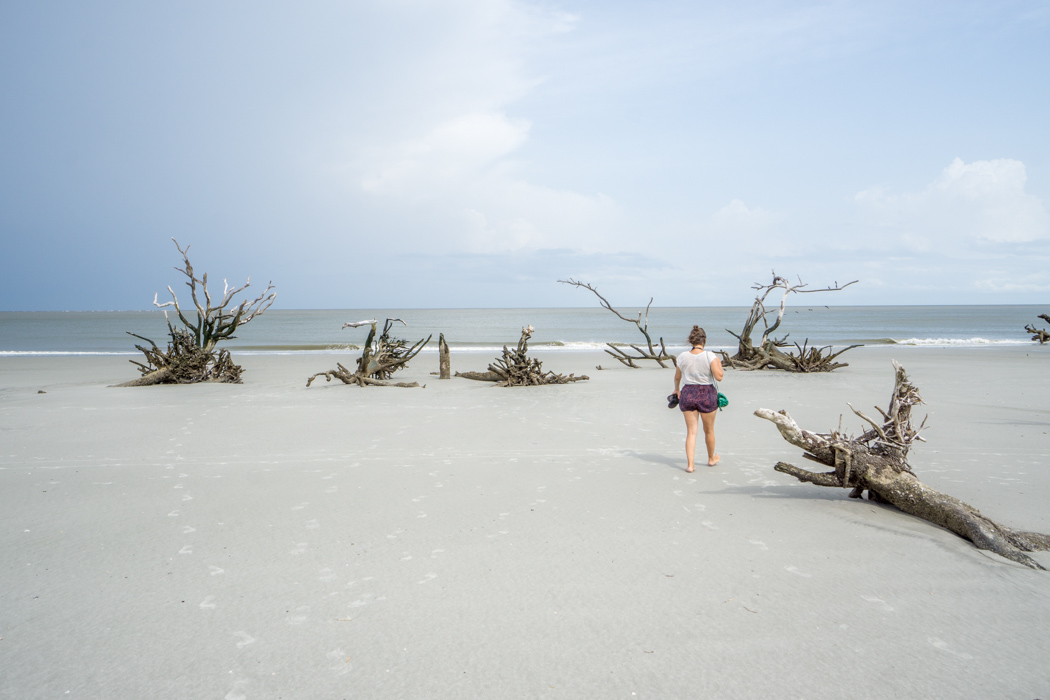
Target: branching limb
[[641, 322], [766, 353]]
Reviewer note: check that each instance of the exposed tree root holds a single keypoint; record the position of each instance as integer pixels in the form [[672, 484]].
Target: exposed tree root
[[191, 355], [516, 368], [380, 358]]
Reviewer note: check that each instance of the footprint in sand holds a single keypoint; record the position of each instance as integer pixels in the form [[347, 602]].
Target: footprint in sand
[[235, 692], [342, 659], [186, 529], [428, 578], [435, 553], [878, 601], [174, 513], [331, 489], [709, 525], [301, 505], [300, 615], [757, 543], [794, 570], [179, 486], [246, 639], [313, 524], [215, 571], [188, 549], [943, 646], [208, 603]]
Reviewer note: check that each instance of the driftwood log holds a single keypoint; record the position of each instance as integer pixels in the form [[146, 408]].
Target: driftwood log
[[642, 322], [191, 355], [380, 358], [1039, 334], [876, 462], [516, 368], [767, 353]]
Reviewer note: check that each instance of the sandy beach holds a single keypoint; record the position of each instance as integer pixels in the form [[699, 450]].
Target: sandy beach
[[269, 540]]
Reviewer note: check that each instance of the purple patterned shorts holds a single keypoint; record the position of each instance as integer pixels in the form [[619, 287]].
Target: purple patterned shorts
[[698, 397]]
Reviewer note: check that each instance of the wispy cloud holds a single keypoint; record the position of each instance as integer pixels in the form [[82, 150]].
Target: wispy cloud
[[968, 206]]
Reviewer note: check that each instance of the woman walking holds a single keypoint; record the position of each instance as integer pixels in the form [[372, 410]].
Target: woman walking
[[698, 398]]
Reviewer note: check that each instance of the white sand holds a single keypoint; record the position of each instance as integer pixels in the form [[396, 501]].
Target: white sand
[[464, 541]]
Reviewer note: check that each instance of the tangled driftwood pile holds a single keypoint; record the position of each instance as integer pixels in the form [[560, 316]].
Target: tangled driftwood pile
[[191, 355], [516, 368], [1039, 334], [767, 353], [380, 358]]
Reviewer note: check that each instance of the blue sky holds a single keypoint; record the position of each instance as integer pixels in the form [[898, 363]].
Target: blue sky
[[470, 153]]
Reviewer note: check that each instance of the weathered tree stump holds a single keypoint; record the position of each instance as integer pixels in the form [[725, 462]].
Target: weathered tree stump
[[876, 462], [380, 358], [191, 354], [642, 322], [767, 353], [1039, 334], [444, 361], [516, 368]]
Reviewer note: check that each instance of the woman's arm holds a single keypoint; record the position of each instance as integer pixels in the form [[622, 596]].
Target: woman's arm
[[716, 369], [677, 379]]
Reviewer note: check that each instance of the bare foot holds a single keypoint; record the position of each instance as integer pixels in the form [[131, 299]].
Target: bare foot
[[690, 470], [713, 461]]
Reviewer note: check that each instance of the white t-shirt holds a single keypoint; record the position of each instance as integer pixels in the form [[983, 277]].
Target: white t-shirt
[[696, 369]]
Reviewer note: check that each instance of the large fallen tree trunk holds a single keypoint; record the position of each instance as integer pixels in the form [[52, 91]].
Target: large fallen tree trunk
[[876, 462], [767, 353], [642, 322], [516, 368], [191, 355], [380, 358], [1039, 334]]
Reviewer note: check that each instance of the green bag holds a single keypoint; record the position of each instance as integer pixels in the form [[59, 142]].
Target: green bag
[[722, 401]]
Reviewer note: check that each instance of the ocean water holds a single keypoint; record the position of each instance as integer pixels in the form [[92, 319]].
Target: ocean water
[[487, 330]]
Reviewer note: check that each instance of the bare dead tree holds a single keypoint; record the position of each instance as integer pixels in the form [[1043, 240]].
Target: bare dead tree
[[380, 358], [767, 353], [191, 356], [877, 462], [1039, 334], [642, 322], [516, 368]]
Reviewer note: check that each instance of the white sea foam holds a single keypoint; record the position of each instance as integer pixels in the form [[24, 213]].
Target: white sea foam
[[46, 353], [948, 342]]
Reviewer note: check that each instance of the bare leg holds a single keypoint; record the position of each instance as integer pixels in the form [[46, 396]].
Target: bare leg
[[709, 437], [692, 421]]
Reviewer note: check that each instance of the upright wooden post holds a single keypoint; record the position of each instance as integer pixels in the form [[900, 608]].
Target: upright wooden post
[[443, 358]]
